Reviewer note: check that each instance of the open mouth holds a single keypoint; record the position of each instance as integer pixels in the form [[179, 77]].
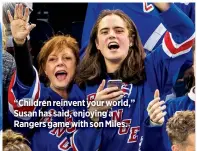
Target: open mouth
[[113, 45], [61, 75]]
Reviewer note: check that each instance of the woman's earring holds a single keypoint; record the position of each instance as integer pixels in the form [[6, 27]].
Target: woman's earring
[[131, 44]]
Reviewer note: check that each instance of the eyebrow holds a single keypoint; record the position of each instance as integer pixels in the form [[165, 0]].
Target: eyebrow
[[53, 55], [116, 27]]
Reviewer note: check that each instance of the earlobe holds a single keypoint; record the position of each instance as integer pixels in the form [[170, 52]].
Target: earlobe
[[46, 73], [174, 148], [97, 46]]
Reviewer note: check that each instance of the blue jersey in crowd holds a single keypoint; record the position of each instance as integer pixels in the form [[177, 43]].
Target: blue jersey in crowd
[[161, 139], [150, 28], [160, 67], [43, 137]]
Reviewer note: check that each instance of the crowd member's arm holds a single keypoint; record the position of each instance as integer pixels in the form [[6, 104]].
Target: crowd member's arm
[[20, 30], [154, 128], [166, 60], [24, 84]]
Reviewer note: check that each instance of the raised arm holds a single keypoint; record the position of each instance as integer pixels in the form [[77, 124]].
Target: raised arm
[[20, 30], [166, 60]]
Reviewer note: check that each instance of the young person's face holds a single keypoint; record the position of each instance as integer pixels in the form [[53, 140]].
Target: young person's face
[[113, 38], [60, 68]]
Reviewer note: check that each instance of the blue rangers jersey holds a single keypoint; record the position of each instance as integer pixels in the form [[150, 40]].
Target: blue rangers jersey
[[44, 136], [160, 66], [161, 139], [150, 28]]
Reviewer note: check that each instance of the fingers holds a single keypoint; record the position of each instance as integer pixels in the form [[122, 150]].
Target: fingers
[[26, 15], [159, 118], [156, 94], [157, 111], [16, 12], [114, 100], [162, 118], [112, 95], [152, 103], [20, 11], [30, 27], [109, 90], [156, 106], [10, 16], [101, 86]]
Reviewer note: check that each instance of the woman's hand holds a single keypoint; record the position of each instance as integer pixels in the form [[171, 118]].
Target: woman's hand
[[19, 24]]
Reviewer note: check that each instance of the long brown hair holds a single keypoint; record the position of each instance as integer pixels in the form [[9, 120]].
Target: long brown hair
[[92, 66]]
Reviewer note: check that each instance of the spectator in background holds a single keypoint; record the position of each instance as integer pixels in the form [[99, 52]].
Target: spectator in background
[[181, 131], [14, 141], [9, 66], [156, 124]]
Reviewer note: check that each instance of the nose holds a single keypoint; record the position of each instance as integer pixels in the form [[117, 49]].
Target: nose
[[60, 62], [112, 34]]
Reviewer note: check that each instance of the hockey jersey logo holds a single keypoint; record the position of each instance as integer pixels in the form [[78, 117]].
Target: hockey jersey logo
[[147, 7], [126, 88]]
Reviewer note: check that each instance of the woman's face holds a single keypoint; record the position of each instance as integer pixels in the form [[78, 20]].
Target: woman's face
[[113, 38], [60, 68]]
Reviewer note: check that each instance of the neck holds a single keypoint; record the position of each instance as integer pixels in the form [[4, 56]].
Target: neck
[[112, 66], [62, 92]]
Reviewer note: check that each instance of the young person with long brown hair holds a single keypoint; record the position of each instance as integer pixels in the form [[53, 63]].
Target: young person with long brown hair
[[116, 52]]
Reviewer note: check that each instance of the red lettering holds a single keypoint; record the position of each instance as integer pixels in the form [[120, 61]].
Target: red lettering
[[117, 115], [133, 134], [125, 130], [58, 131], [64, 145], [70, 129]]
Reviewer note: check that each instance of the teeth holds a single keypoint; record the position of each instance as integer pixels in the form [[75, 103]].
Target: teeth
[[61, 72], [112, 43]]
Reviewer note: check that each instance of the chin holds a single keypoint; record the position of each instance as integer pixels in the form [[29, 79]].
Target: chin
[[61, 87], [116, 59]]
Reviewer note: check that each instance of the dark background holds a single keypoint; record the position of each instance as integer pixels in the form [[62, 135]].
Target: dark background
[[62, 18]]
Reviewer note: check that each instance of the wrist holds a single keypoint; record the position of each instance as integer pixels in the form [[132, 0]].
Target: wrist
[[155, 124], [19, 41]]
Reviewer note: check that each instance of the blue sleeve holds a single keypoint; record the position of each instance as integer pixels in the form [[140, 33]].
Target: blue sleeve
[[166, 60], [87, 139], [18, 92], [179, 104], [188, 8], [154, 137]]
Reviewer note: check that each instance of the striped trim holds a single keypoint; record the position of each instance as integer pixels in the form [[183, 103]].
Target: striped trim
[[74, 147], [12, 100], [154, 38], [172, 49]]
